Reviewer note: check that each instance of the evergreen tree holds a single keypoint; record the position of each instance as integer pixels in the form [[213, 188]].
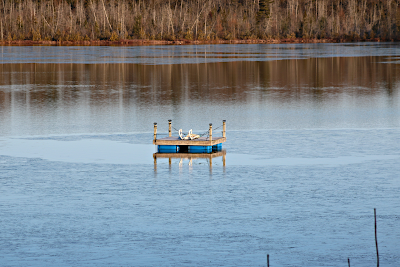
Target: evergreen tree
[[263, 10]]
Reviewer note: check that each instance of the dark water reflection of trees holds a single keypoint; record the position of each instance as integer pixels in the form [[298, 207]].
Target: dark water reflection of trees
[[280, 81]]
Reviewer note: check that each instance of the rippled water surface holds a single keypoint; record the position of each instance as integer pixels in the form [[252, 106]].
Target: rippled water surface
[[313, 146]]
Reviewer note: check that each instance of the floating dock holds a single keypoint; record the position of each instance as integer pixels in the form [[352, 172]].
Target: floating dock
[[205, 143]]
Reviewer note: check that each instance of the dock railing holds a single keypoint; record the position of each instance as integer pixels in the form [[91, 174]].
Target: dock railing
[[208, 133]]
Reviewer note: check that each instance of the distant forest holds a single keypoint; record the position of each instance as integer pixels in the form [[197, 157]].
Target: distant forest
[[204, 20]]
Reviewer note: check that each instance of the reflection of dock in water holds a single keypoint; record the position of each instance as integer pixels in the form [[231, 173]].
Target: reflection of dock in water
[[190, 156]]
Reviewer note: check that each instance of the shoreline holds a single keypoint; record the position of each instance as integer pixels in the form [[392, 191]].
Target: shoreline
[[146, 42]]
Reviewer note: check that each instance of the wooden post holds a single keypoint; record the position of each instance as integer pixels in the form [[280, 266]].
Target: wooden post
[[155, 131], [210, 131], [169, 128], [376, 242], [224, 128], [268, 260]]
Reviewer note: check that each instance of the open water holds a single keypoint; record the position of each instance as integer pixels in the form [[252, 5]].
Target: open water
[[313, 146]]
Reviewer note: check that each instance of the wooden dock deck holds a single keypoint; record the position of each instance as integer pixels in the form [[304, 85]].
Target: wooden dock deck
[[176, 141]]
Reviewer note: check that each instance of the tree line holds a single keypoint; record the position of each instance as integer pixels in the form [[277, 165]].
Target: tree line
[[207, 20]]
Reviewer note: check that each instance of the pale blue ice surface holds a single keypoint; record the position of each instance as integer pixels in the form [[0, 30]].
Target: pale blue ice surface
[[190, 54]]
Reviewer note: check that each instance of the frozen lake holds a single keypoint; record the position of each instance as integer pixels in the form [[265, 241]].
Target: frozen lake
[[313, 146]]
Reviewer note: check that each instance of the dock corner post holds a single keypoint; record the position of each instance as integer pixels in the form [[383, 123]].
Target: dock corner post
[[169, 128], [224, 128], [210, 132], [155, 131]]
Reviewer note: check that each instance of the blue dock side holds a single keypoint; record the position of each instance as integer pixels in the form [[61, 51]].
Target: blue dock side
[[168, 149]]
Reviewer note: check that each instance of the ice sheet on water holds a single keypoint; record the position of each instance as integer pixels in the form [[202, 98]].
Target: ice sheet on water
[[116, 149], [189, 54]]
